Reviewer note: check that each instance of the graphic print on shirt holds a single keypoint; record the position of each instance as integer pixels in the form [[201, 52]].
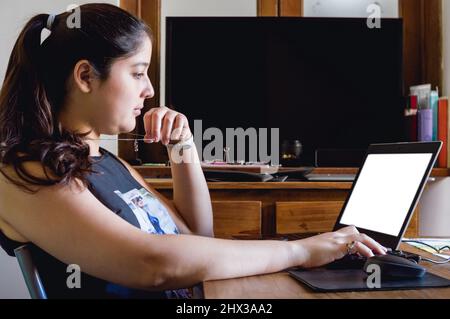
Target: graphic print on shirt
[[152, 216]]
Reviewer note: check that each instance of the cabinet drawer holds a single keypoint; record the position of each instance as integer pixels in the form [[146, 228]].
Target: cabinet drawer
[[236, 217], [306, 217]]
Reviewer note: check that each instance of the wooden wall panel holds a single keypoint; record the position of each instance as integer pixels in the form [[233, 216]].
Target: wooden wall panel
[[432, 59], [150, 12], [291, 8], [268, 8], [422, 46], [280, 8], [410, 12], [132, 6]]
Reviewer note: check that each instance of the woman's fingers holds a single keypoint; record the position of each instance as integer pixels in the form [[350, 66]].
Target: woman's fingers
[[148, 125], [366, 245], [178, 126], [359, 247], [163, 124], [354, 234], [372, 244], [166, 129], [152, 123]]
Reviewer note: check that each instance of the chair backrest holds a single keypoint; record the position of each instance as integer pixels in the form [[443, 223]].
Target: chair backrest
[[30, 273]]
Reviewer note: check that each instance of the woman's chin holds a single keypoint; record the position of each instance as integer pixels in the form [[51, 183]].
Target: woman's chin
[[129, 127]]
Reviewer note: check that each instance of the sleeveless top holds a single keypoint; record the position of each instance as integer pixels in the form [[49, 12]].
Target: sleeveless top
[[114, 186]]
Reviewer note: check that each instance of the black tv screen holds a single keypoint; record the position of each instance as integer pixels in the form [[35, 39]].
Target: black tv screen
[[334, 84]]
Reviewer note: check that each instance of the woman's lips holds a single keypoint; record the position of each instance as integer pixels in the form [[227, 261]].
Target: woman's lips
[[137, 110]]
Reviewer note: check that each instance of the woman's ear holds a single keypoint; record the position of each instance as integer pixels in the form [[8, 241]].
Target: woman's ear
[[83, 75]]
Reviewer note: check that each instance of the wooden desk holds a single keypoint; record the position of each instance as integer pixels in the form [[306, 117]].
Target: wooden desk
[[282, 286]]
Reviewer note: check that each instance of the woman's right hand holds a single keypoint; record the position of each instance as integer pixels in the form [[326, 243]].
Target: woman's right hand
[[325, 248]]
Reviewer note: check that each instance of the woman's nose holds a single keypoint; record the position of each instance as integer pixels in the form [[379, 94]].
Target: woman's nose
[[149, 92]]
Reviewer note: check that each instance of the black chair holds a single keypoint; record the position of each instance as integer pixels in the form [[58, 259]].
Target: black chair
[[30, 273]]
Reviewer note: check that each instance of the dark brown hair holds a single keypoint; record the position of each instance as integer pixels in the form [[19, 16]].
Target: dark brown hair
[[35, 88]]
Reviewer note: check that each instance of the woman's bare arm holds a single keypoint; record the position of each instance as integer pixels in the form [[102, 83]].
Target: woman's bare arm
[[72, 225], [190, 191]]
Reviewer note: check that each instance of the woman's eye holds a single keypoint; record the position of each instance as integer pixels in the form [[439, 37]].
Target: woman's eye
[[139, 75]]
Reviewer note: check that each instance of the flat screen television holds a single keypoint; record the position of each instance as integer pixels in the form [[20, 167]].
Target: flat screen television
[[334, 84]]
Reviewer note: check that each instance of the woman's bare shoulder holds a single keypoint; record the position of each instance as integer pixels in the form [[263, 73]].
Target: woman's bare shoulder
[[71, 224], [10, 191]]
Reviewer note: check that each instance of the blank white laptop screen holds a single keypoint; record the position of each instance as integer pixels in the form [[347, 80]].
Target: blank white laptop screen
[[384, 191]]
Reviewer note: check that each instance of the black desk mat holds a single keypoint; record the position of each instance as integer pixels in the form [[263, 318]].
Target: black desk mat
[[340, 280]]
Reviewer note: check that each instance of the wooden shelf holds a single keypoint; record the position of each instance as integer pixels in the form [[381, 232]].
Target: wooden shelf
[[165, 172], [436, 172], [166, 183]]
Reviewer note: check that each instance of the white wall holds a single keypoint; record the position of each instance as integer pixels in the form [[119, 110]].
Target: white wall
[[13, 16], [348, 8], [176, 8], [434, 215]]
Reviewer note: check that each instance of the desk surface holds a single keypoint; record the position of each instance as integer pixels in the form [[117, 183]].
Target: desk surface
[[282, 286], [166, 183], [165, 172]]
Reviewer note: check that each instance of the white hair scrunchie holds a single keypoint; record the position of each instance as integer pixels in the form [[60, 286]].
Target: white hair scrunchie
[[50, 20], [45, 33]]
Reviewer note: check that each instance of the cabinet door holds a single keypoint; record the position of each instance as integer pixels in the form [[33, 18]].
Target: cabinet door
[[236, 218], [306, 217]]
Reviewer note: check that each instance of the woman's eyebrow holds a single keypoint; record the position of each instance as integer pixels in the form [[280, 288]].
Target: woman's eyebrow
[[141, 64]]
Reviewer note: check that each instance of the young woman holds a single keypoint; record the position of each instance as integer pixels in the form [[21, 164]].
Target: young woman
[[76, 203]]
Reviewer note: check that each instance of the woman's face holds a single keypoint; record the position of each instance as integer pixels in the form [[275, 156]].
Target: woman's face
[[116, 102]]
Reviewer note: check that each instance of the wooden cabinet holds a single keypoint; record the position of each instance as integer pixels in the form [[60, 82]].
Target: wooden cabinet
[[270, 208]]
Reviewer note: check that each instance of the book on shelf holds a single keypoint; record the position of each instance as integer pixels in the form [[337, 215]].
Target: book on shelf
[[443, 131]]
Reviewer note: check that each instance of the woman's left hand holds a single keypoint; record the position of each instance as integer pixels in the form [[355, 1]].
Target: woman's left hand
[[165, 125]]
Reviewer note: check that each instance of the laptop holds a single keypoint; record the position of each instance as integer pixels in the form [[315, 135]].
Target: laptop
[[380, 204], [387, 189]]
